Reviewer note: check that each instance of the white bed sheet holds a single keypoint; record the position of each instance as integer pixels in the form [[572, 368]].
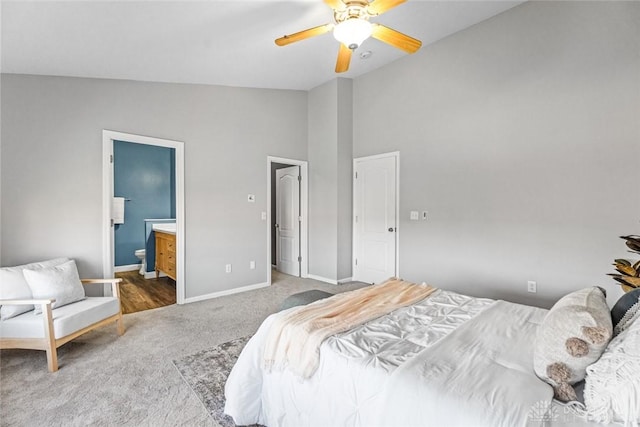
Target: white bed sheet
[[561, 415], [447, 360]]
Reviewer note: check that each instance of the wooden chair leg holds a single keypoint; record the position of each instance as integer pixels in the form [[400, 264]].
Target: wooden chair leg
[[120, 325], [50, 339], [52, 359], [116, 293]]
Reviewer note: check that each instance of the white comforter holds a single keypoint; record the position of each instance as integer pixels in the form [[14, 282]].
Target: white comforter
[[449, 360]]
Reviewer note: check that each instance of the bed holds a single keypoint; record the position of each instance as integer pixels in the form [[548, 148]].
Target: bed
[[446, 360]]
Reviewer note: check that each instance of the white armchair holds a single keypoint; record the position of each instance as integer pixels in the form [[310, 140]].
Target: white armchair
[[53, 328]]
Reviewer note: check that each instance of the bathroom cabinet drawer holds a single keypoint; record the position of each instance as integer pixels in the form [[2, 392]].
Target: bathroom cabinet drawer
[[171, 271], [165, 254]]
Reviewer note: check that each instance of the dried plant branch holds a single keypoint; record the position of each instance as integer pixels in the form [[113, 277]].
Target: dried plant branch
[[628, 274]]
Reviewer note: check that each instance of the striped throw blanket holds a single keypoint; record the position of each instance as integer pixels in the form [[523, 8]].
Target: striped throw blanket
[[295, 337]]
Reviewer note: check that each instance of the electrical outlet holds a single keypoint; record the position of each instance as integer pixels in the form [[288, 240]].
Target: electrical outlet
[[532, 286], [252, 265], [263, 216], [414, 215], [227, 268]]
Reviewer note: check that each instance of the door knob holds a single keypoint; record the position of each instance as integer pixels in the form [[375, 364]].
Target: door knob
[[391, 229]]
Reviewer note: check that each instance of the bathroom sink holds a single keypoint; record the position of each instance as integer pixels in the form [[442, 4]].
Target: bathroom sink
[[169, 227]]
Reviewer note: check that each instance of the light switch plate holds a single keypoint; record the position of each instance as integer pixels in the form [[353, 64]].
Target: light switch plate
[[414, 215]]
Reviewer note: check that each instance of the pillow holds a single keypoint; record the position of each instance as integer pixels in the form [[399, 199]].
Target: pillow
[[612, 386], [14, 286], [61, 282], [572, 336], [624, 310]]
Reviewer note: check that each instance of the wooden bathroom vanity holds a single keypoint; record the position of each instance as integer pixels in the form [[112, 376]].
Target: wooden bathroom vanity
[[165, 254]]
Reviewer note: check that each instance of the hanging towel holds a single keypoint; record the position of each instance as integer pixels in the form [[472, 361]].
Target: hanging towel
[[117, 210]]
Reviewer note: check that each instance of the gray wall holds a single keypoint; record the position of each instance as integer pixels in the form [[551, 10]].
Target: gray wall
[[521, 138], [330, 139], [323, 180], [345, 181], [52, 174]]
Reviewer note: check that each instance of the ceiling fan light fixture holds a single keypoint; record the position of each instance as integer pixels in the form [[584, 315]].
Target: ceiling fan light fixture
[[352, 32], [352, 28]]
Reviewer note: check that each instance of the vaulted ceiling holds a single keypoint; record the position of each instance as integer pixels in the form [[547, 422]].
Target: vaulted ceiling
[[209, 42]]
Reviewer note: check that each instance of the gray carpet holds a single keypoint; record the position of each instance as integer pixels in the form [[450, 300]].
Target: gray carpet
[[207, 371], [106, 380]]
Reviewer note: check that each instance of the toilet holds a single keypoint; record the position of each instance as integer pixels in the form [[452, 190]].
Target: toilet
[[140, 254]]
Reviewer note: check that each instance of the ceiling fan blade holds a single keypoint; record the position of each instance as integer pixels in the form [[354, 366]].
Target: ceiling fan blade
[[335, 4], [395, 38], [344, 57], [301, 35], [379, 7]]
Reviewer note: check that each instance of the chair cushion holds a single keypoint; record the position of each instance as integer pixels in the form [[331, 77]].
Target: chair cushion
[[303, 298], [60, 282], [13, 285], [66, 320]]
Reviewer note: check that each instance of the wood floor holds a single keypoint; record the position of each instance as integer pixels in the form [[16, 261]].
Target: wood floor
[[140, 294]]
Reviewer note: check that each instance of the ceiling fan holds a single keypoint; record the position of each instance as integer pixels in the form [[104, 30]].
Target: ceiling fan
[[352, 27]]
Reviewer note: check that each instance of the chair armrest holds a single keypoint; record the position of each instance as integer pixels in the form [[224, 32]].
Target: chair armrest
[[115, 284], [46, 309], [26, 301]]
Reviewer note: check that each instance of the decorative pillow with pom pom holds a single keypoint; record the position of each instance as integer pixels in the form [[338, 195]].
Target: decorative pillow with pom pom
[[572, 336]]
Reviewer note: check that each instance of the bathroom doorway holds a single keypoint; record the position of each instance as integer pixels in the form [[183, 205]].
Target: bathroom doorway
[[143, 187], [287, 216]]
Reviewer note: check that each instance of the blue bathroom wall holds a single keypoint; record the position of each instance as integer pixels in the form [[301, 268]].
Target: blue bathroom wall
[[172, 154], [145, 176]]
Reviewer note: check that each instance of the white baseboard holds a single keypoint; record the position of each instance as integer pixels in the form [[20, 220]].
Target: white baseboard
[[330, 281], [227, 292], [123, 268], [152, 275], [322, 279]]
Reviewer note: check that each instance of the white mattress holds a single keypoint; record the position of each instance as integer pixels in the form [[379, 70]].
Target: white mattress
[[447, 360]]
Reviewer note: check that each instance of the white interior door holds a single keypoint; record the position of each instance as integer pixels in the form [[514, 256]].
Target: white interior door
[[375, 227], [288, 220]]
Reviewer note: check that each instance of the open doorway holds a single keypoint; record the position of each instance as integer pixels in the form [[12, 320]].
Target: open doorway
[[144, 187], [287, 216], [134, 204]]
